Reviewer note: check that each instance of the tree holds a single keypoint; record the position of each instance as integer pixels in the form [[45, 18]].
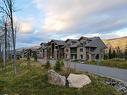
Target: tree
[[58, 65], [110, 53], [4, 40], [125, 53], [114, 54], [7, 9], [119, 53], [105, 56], [28, 58], [35, 56], [5, 52]]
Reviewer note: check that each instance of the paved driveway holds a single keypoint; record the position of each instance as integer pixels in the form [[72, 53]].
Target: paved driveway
[[120, 74], [115, 73]]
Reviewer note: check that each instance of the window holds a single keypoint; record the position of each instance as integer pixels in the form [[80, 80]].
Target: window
[[81, 56], [81, 44], [92, 49], [81, 49], [73, 50], [56, 47], [97, 56], [73, 56], [66, 50]]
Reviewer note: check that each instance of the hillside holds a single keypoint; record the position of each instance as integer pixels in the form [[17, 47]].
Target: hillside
[[116, 42]]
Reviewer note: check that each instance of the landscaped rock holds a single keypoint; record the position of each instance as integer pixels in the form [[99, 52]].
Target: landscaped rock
[[78, 80], [56, 79], [118, 85]]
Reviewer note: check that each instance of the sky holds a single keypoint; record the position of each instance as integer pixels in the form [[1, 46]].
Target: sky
[[43, 20]]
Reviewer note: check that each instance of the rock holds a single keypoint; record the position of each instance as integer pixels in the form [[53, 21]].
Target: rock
[[78, 80], [56, 79], [118, 85]]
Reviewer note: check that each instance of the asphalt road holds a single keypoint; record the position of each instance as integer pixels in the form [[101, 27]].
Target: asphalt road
[[119, 74]]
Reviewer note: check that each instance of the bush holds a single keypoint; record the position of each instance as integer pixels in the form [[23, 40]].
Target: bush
[[62, 62], [47, 66], [58, 66]]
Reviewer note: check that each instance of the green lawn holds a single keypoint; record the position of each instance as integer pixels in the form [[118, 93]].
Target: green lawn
[[33, 81], [117, 63]]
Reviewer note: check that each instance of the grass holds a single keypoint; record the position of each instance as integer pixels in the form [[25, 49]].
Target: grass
[[117, 63], [33, 81]]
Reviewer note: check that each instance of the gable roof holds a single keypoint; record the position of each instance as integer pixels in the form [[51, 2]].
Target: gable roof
[[96, 42], [90, 42], [71, 40], [58, 42], [82, 37]]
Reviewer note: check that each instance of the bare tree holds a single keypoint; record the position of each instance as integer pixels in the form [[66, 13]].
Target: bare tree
[[7, 9], [4, 38], [5, 30]]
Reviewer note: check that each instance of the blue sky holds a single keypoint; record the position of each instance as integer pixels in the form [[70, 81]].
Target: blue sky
[[43, 20]]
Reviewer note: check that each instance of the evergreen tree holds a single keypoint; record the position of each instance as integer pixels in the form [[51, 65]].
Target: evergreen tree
[[125, 53], [114, 54], [58, 65], [110, 53], [118, 52], [35, 55], [105, 56]]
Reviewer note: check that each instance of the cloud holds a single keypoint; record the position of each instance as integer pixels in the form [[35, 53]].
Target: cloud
[[62, 19], [67, 14], [26, 26]]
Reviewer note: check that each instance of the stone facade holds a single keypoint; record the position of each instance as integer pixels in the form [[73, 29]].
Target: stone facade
[[84, 49], [55, 49]]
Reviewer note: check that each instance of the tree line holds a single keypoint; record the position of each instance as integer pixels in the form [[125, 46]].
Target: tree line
[[116, 53]]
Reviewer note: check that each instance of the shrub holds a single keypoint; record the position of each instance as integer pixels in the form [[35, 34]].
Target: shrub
[[62, 62], [58, 65], [47, 66]]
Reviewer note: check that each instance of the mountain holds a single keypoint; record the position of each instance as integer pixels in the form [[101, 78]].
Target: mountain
[[117, 42]]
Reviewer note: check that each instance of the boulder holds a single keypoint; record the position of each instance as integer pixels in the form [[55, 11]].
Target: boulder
[[78, 80], [56, 79]]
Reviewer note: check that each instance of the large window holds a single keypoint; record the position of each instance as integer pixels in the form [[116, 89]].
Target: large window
[[73, 50]]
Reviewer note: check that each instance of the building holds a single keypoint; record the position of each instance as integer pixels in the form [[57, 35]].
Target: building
[[75, 49], [43, 51], [23, 52], [55, 49], [84, 49]]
